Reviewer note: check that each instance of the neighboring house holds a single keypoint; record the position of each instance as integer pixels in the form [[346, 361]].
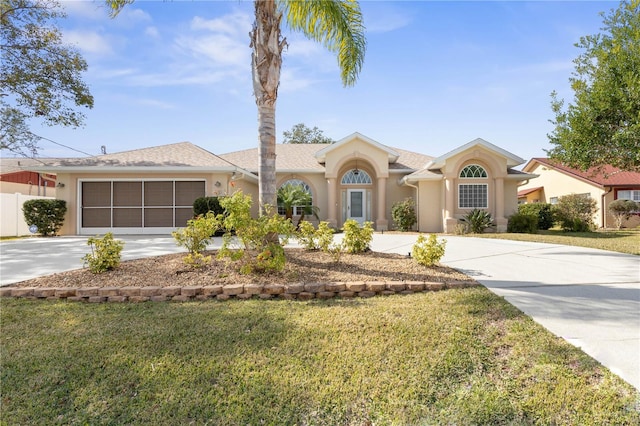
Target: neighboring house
[[604, 186], [16, 177], [151, 190]]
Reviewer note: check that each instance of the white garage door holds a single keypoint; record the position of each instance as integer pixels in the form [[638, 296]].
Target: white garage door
[[137, 206]]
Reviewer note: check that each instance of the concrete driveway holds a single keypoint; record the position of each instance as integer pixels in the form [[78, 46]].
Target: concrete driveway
[[589, 297]]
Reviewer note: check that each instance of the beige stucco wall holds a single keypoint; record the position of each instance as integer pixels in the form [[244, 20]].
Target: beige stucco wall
[[360, 152], [395, 193], [431, 203]]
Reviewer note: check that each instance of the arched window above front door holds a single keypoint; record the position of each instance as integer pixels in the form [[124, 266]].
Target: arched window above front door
[[356, 177], [473, 171]]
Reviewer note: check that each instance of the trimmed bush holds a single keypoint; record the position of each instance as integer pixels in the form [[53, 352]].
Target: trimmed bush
[[428, 252], [195, 237], [105, 253], [575, 212], [543, 211], [357, 239], [622, 210], [404, 214], [315, 239], [47, 215], [204, 205], [523, 223]]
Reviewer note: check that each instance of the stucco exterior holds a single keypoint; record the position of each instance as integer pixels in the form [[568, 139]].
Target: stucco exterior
[[356, 177]]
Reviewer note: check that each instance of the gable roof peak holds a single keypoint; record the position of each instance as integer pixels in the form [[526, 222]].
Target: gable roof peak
[[512, 159], [322, 154]]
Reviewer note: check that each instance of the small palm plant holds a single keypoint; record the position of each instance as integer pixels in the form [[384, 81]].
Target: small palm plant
[[291, 196], [478, 220]]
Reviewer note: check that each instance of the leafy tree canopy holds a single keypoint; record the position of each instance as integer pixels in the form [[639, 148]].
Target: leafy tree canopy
[[39, 74], [302, 134], [602, 125]]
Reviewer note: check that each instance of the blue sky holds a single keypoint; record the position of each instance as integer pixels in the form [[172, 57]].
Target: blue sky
[[436, 75]]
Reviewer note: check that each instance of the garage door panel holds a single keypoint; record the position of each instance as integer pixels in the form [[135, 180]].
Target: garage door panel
[[159, 217], [158, 193], [96, 218], [183, 215], [188, 191], [127, 194], [96, 194], [127, 218]]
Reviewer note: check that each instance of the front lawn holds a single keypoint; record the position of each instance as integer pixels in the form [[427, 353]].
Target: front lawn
[[450, 357], [624, 241]]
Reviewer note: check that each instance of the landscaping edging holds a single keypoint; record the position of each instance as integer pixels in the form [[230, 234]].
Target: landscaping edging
[[231, 291]]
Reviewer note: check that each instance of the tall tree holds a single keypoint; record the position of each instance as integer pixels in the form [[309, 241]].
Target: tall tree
[[302, 134], [337, 24], [602, 125], [39, 74]]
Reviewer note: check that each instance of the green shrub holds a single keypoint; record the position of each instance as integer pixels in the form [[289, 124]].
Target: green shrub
[[543, 211], [204, 205], [575, 212], [357, 239], [105, 253], [404, 214], [428, 252], [46, 215], [478, 220], [315, 239], [260, 238], [523, 223], [195, 237], [622, 210]]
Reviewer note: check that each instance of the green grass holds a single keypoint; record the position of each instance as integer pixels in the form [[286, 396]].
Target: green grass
[[625, 241], [451, 357]]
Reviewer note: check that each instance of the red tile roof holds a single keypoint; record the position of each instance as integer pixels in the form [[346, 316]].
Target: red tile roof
[[606, 176]]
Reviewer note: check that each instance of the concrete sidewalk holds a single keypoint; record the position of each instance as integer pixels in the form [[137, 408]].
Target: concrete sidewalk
[[589, 297]]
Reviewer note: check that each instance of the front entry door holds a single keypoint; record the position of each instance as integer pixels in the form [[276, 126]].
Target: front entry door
[[356, 203]]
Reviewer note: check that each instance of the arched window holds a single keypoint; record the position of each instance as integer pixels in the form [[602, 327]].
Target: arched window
[[473, 195], [473, 171], [356, 177], [297, 209]]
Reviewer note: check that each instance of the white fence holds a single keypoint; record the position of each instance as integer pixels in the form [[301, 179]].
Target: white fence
[[12, 222]]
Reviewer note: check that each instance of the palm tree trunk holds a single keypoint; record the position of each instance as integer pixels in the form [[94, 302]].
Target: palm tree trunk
[[266, 61]]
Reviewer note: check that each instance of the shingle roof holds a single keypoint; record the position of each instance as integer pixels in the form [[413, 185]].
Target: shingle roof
[[11, 165], [301, 157], [607, 176], [182, 154]]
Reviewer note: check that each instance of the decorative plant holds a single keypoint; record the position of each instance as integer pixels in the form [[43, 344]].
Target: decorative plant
[[404, 214], [544, 212], [478, 220], [622, 210], [195, 237], [290, 196], [428, 252], [523, 223], [315, 239], [574, 212], [357, 239], [105, 253], [46, 215]]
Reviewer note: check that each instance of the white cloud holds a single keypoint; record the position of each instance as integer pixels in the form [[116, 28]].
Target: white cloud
[[152, 32], [218, 49], [383, 17], [85, 9], [88, 41], [234, 24]]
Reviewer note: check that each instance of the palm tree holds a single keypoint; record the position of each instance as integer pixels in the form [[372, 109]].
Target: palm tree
[[337, 24], [290, 196]]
